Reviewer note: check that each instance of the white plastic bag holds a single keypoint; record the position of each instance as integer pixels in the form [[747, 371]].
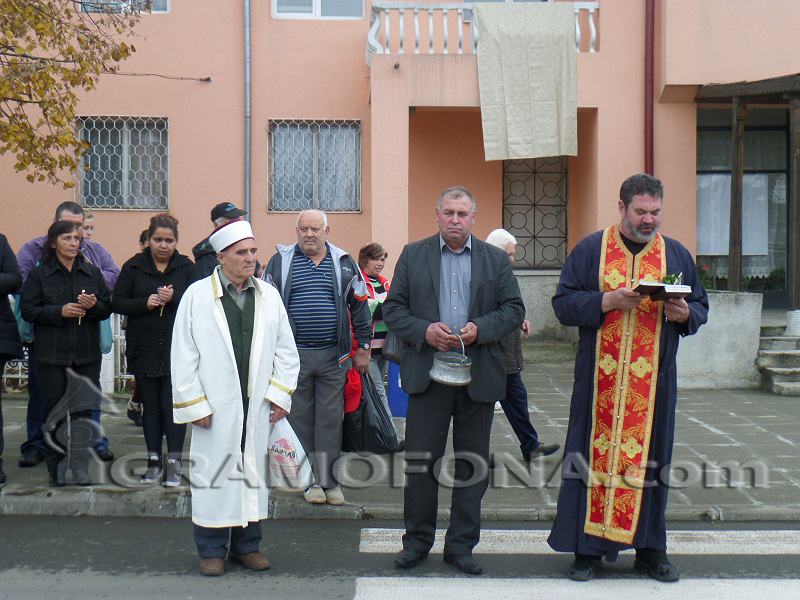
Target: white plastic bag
[[289, 467]]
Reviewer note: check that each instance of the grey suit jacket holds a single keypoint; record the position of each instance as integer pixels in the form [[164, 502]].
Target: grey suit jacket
[[495, 306]]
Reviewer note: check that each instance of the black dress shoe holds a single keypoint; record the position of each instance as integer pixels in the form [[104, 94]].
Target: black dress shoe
[[409, 557], [540, 450], [584, 568], [54, 480], [105, 455], [30, 458], [656, 564], [2, 476], [464, 563]]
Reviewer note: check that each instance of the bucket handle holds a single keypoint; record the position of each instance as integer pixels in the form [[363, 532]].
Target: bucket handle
[[463, 350]]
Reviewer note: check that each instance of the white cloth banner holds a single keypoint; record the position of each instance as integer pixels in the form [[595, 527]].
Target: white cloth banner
[[527, 79], [714, 209]]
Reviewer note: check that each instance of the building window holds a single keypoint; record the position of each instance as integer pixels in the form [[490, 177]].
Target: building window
[[535, 210], [127, 165], [350, 9], [764, 200], [315, 164], [145, 6]]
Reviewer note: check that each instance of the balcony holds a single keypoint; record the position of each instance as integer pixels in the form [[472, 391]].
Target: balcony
[[398, 28]]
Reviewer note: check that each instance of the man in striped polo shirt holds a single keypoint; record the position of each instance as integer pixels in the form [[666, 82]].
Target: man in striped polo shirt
[[323, 291]]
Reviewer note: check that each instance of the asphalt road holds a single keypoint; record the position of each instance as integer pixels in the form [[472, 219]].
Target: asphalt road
[[90, 557]]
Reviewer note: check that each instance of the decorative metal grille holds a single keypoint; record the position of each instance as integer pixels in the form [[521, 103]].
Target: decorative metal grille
[[535, 210], [315, 164], [128, 163], [99, 6]]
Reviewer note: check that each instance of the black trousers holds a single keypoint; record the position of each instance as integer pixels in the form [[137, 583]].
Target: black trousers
[[212, 542], [427, 424], [515, 405], [68, 396], [155, 394]]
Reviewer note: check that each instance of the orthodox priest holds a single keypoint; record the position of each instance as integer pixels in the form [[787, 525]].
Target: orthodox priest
[[234, 368], [618, 450]]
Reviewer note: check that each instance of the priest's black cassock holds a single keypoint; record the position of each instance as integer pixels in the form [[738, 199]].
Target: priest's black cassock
[[578, 303]]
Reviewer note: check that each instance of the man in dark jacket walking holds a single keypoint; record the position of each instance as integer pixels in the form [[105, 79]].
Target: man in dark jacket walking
[[515, 404]]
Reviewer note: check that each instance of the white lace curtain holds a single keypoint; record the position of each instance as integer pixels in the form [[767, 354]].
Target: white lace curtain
[[763, 221]]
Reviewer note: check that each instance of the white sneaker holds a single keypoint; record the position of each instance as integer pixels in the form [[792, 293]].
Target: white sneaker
[[334, 496], [315, 495]]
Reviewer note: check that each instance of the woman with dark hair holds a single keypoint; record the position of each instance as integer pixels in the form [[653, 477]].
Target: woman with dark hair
[[135, 403], [65, 297], [372, 259], [148, 290]]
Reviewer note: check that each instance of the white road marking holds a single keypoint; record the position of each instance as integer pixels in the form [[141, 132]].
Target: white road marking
[[473, 588], [525, 541]]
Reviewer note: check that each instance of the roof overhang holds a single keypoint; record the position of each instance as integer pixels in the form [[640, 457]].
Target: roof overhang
[[777, 90]]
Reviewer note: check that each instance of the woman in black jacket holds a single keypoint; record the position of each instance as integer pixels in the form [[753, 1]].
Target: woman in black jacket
[[148, 290], [10, 346], [65, 297]]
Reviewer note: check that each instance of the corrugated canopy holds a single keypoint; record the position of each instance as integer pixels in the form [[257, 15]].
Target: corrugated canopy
[[766, 91]]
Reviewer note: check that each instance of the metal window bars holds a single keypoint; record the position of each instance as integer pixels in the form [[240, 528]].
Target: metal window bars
[[127, 165], [145, 6], [314, 164]]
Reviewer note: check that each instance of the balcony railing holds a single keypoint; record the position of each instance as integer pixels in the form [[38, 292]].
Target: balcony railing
[[450, 28]]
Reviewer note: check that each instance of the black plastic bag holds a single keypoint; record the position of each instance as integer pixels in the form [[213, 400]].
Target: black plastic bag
[[369, 429]]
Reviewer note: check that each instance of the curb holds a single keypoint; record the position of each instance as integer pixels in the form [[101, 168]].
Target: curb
[[108, 501]]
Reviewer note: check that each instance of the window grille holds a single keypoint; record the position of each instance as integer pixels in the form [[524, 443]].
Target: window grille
[[127, 165], [315, 164], [101, 6], [535, 210]]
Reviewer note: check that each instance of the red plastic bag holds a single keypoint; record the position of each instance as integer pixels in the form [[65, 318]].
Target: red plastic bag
[[352, 391]]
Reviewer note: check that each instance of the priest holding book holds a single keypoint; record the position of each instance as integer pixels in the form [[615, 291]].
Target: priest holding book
[[618, 450]]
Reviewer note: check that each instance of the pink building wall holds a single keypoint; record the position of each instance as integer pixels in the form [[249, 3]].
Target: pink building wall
[[315, 69]]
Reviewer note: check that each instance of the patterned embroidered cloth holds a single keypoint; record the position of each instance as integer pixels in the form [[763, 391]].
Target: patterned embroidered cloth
[[626, 370], [527, 79]]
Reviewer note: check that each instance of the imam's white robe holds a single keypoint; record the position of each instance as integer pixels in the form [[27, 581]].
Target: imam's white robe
[[229, 488]]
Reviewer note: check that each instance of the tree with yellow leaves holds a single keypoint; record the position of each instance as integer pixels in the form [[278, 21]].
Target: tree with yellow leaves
[[50, 50]]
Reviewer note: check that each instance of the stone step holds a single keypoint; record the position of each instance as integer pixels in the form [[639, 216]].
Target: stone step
[[772, 330], [783, 388], [771, 375], [779, 343], [778, 358]]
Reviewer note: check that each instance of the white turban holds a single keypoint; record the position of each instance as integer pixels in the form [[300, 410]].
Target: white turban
[[229, 234]]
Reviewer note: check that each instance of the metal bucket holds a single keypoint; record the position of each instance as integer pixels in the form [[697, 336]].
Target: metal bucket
[[451, 368]]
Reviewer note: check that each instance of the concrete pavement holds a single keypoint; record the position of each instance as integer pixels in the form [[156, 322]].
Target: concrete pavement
[[735, 459]]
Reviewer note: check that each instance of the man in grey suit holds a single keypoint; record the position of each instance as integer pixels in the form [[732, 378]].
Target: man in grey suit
[[446, 284]]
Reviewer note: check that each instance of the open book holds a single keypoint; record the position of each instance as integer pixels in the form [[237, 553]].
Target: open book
[[662, 291]]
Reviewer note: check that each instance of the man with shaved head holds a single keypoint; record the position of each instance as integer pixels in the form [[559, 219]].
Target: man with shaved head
[[326, 298]]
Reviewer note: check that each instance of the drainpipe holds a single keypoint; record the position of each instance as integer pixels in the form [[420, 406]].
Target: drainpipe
[[649, 43], [247, 95]]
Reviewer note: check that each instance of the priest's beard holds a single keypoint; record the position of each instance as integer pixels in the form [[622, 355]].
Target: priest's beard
[[638, 234]]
